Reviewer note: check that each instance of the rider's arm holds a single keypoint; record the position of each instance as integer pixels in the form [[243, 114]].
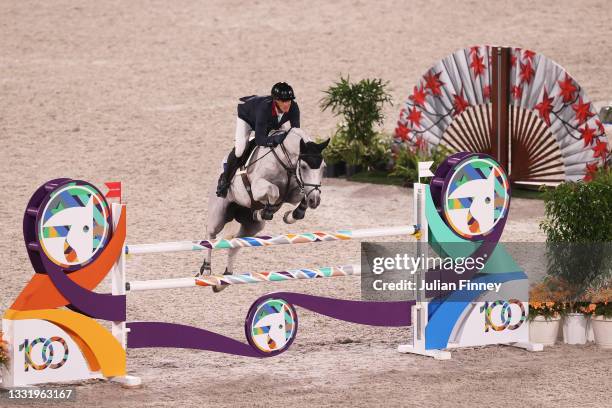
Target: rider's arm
[[261, 125]]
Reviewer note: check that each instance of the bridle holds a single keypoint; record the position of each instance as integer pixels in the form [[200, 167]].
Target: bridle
[[300, 180], [294, 170]]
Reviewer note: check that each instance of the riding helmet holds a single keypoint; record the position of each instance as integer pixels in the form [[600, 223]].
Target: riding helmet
[[282, 91]]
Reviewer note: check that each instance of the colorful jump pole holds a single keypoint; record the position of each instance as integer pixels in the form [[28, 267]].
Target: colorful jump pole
[[267, 240], [244, 278]]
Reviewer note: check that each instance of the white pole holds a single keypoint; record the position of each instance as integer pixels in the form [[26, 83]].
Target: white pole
[[246, 278], [138, 286], [283, 239], [420, 312], [384, 232], [118, 277], [422, 250]]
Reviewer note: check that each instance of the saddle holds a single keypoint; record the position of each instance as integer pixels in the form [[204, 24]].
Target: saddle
[[245, 161], [243, 165], [246, 157]]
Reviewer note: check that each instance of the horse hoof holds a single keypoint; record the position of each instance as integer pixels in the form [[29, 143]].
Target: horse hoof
[[205, 269], [288, 218], [218, 288], [298, 214]]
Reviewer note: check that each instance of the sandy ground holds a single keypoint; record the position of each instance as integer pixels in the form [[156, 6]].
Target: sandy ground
[[145, 92]]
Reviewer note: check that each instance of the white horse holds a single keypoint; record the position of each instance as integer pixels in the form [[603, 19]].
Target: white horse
[[288, 173]]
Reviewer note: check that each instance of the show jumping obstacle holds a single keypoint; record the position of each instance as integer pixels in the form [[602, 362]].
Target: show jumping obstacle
[[74, 241]]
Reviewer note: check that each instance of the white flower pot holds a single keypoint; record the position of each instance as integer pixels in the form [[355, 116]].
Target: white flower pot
[[590, 334], [602, 329], [544, 331], [575, 328]]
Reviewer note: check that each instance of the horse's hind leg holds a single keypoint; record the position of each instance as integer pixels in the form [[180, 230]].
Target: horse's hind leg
[[217, 218], [248, 228]]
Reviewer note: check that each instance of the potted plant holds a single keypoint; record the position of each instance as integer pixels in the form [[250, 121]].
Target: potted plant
[[575, 322], [356, 142], [577, 226], [4, 353], [544, 313], [572, 307], [601, 316]]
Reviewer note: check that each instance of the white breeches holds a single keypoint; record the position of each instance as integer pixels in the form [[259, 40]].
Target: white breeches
[[243, 132]]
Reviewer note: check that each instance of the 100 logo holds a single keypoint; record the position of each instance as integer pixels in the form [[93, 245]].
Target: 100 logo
[[505, 316], [47, 353]]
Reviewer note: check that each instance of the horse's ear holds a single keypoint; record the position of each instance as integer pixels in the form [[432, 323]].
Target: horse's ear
[[302, 145], [323, 145]]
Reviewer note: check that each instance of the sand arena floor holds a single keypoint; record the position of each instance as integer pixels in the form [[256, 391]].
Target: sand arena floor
[[145, 93]]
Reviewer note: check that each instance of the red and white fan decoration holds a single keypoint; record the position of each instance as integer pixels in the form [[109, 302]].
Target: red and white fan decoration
[[549, 130]]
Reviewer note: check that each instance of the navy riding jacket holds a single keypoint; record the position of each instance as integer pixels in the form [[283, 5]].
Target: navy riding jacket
[[262, 115]]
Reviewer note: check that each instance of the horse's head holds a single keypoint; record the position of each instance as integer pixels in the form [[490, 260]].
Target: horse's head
[[310, 168]]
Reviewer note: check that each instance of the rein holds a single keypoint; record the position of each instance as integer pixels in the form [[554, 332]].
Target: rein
[[293, 170]]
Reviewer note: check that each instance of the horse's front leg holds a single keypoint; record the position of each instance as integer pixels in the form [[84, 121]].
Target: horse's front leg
[[268, 194], [297, 213]]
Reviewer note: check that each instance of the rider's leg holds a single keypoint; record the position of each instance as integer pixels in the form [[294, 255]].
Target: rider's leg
[[243, 130], [225, 178]]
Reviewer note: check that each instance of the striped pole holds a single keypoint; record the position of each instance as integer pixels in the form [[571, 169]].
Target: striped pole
[[244, 278], [267, 240]]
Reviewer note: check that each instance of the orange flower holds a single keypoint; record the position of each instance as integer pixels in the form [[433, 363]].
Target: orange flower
[[3, 350]]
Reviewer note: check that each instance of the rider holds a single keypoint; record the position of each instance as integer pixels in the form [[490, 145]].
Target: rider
[[263, 114]]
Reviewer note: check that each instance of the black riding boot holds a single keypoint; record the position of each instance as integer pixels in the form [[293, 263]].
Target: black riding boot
[[225, 180]]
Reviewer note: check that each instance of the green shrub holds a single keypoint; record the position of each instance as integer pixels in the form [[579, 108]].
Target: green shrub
[[360, 104], [406, 162], [580, 212], [374, 154], [578, 226]]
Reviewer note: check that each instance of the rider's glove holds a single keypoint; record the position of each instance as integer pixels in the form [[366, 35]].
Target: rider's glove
[[275, 139]]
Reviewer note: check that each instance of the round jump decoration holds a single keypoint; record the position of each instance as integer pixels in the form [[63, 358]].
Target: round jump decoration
[[471, 192], [69, 226], [476, 196], [271, 325]]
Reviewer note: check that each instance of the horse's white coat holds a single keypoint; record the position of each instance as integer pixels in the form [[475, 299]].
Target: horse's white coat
[[268, 181]]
